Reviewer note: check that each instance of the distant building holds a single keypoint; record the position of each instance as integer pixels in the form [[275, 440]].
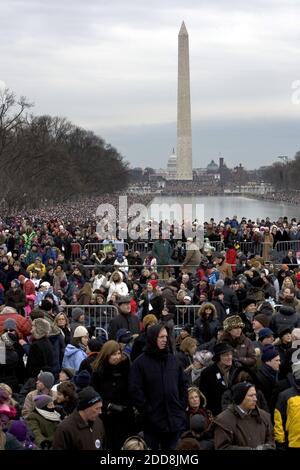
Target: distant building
[[212, 167], [172, 167]]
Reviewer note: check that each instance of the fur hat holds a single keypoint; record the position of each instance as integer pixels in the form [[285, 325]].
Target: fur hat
[[9, 339], [284, 331], [268, 353], [80, 331], [40, 328], [232, 322], [148, 319], [204, 357], [239, 391], [87, 397], [47, 378]]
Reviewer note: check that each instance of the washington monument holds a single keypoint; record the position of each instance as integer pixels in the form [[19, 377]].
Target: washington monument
[[184, 127]]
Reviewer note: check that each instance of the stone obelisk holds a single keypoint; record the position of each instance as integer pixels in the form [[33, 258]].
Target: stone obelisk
[[184, 127]]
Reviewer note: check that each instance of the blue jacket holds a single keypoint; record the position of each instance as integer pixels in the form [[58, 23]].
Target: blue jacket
[[73, 357]]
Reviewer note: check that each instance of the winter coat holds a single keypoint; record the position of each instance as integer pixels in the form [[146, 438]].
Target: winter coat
[[158, 388], [169, 296], [287, 417], [192, 258], [8, 371], [156, 302], [73, 433], [162, 251], [243, 350], [43, 424], [128, 322], [235, 430], [40, 355], [73, 357], [213, 385], [111, 382], [23, 325], [285, 318], [204, 330]]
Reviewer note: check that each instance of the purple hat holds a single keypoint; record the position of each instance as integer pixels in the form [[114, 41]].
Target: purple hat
[[19, 430], [41, 401]]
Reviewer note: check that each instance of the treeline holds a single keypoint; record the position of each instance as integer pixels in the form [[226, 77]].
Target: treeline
[[284, 175], [46, 159]]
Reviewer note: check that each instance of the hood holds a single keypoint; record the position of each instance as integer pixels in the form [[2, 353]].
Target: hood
[[151, 340], [71, 350], [8, 310]]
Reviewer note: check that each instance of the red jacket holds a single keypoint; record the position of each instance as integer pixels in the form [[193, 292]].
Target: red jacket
[[23, 324]]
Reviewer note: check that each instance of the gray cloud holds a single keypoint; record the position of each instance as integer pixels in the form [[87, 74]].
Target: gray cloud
[[111, 66]]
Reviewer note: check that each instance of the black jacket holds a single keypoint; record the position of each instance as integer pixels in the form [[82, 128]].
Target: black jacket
[[128, 322], [40, 355]]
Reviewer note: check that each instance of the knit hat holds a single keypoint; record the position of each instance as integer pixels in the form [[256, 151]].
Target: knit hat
[[148, 319], [232, 322], [47, 378], [286, 311], [265, 333], [268, 353], [239, 391], [204, 357], [87, 397], [41, 401], [187, 297], [76, 313], [296, 370], [82, 379], [153, 283], [123, 335], [19, 429], [40, 328], [221, 348], [69, 372], [80, 331], [17, 282], [10, 324], [262, 319], [95, 344], [197, 423], [296, 333], [8, 410]]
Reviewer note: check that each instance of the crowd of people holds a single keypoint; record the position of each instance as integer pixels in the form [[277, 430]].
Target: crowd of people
[[203, 352]]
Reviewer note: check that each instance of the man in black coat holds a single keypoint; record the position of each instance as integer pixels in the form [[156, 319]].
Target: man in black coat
[[216, 379], [124, 319], [158, 390], [40, 355]]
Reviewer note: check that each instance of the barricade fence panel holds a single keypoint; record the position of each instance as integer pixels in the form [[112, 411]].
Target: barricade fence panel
[[97, 316]]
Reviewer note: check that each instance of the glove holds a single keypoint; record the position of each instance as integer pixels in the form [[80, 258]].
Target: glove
[[114, 407], [46, 444], [265, 447]]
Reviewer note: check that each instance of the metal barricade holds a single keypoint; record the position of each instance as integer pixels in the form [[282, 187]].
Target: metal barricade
[[283, 247], [97, 316], [106, 247], [185, 314], [143, 247], [217, 245]]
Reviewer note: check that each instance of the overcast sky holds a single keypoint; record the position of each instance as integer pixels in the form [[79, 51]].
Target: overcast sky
[[111, 66]]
